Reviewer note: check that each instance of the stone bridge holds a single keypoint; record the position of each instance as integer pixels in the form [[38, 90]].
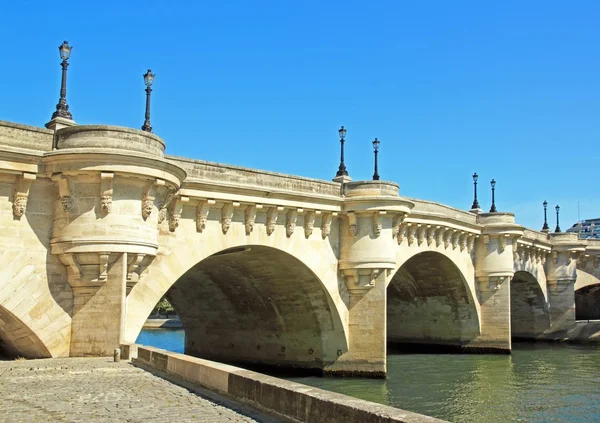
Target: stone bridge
[[97, 224]]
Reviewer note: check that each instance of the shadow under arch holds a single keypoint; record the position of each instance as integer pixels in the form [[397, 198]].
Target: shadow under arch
[[258, 305], [18, 340], [430, 305], [529, 317], [587, 302]]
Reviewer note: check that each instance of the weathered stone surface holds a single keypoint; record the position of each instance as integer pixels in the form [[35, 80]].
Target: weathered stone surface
[[289, 400], [92, 389], [94, 232]]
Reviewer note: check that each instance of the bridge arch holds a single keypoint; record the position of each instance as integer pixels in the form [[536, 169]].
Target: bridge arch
[[430, 301], [587, 296], [18, 340], [248, 298], [529, 317]]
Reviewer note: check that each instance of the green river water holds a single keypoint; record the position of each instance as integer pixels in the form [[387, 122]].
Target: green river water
[[536, 383]]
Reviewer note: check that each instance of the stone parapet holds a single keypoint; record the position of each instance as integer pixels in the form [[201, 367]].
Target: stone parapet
[[25, 136], [284, 399], [110, 137], [252, 179]]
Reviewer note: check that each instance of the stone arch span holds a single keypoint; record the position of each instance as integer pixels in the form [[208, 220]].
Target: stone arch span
[[257, 304], [18, 340], [587, 296], [35, 305], [430, 302], [314, 261], [529, 317]]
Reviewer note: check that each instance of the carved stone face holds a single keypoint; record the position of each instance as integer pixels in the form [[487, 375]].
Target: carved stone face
[[173, 222], [308, 229], [377, 227], [325, 229], [146, 208], [201, 222], [162, 215], [289, 228], [270, 228], [67, 203], [225, 224], [249, 226], [106, 203], [19, 206], [353, 230]]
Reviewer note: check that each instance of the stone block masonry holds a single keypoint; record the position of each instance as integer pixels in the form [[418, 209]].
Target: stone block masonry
[[98, 390], [289, 400]]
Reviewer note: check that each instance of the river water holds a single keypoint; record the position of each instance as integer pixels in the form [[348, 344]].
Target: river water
[[558, 383]]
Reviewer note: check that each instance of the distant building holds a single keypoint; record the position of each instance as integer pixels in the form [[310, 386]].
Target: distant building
[[589, 228]]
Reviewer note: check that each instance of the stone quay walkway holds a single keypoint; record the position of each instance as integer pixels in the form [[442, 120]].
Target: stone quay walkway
[[97, 390]]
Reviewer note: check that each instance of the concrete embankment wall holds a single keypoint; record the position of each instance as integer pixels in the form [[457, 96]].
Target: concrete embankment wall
[[287, 400]]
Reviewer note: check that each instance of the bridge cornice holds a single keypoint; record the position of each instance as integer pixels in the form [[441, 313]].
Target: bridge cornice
[[84, 161]]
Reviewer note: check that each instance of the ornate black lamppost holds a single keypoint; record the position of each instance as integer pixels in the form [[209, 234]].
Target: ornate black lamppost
[[493, 208], [376, 151], [557, 226], [148, 80], [62, 108], [475, 202], [545, 228], [342, 169]]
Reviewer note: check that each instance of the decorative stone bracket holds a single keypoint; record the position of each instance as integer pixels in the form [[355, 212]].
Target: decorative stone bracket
[[524, 252], [396, 222], [147, 202], [22, 186], [492, 283], [290, 222], [448, 237], [87, 270], [227, 215], [250, 217], [90, 270], [377, 222], [326, 224], [106, 191], [174, 211], [163, 209], [361, 280], [202, 214], [352, 224], [309, 223], [65, 191], [272, 215]]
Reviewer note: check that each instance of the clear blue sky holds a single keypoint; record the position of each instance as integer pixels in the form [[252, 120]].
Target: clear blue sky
[[510, 90]]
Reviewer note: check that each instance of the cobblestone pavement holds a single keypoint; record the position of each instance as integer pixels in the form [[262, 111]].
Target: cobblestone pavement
[[98, 390]]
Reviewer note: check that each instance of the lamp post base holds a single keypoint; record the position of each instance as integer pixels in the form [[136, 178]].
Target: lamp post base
[[59, 122], [342, 179], [476, 211]]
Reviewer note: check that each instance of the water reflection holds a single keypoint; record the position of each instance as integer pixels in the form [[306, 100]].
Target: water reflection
[[556, 383]]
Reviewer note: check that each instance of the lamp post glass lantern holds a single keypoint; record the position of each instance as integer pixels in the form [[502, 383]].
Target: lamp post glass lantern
[[62, 108], [342, 169], [148, 80], [376, 143], [545, 227], [493, 208], [557, 208], [475, 202]]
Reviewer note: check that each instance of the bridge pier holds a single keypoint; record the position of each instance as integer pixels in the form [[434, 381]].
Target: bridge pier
[[494, 269], [367, 337], [367, 257], [562, 273], [99, 310]]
